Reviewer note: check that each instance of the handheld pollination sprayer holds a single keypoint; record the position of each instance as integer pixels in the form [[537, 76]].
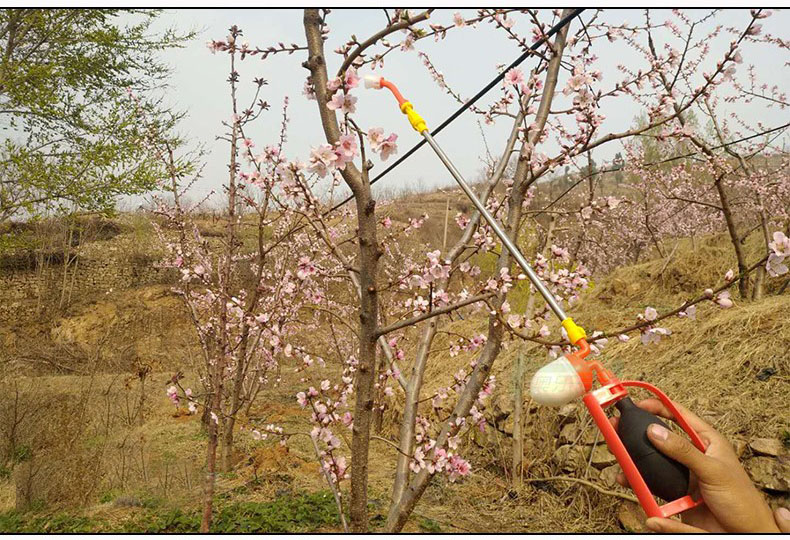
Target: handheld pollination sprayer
[[650, 473]]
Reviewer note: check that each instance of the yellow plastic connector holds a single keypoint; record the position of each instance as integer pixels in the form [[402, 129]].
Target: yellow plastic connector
[[414, 117], [574, 331]]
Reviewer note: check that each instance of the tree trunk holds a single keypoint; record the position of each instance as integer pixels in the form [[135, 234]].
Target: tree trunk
[[226, 446], [208, 484], [759, 279], [412, 399], [141, 412], [236, 402], [743, 283], [518, 406], [366, 372], [369, 253]]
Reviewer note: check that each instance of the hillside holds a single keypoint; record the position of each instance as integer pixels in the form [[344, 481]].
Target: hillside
[[100, 446]]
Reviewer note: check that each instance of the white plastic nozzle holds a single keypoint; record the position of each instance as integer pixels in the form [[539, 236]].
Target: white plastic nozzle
[[556, 384], [371, 81]]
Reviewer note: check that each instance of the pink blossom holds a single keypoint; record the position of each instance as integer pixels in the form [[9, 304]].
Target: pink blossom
[[388, 146], [781, 244], [457, 466], [729, 275], [301, 399], [333, 85], [560, 253], [346, 150], [578, 80], [309, 90], [322, 159], [384, 146], [459, 21], [650, 314], [514, 76], [351, 79], [690, 312], [306, 268], [723, 299], [346, 103], [775, 265], [653, 335]]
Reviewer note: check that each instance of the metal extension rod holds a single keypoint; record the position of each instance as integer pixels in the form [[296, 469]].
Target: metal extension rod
[[506, 241]]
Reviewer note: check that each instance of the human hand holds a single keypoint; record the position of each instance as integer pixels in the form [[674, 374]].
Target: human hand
[[732, 502]]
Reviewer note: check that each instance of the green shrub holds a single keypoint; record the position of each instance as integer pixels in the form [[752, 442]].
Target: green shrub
[[15, 522], [428, 525], [298, 513]]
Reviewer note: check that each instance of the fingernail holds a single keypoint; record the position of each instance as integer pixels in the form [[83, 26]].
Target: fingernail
[[784, 513], [659, 432]]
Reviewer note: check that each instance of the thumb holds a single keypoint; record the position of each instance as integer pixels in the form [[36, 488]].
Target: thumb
[[782, 517], [664, 525], [682, 450]]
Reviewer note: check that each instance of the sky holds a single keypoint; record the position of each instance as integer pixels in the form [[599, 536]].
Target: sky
[[468, 57]]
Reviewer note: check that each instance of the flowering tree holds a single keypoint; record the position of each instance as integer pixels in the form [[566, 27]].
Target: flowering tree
[[247, 295], [370, 287]]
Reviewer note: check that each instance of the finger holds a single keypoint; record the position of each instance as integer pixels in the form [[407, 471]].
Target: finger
[[655, 406], [782, 517], [614, 420], [664, 525], [682, 450]]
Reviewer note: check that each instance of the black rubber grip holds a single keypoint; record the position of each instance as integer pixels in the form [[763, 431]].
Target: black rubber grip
[[665, 477]]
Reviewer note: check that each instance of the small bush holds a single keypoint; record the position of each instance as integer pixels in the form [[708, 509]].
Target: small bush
[[428, 525], [15, 522], [299, 513]]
